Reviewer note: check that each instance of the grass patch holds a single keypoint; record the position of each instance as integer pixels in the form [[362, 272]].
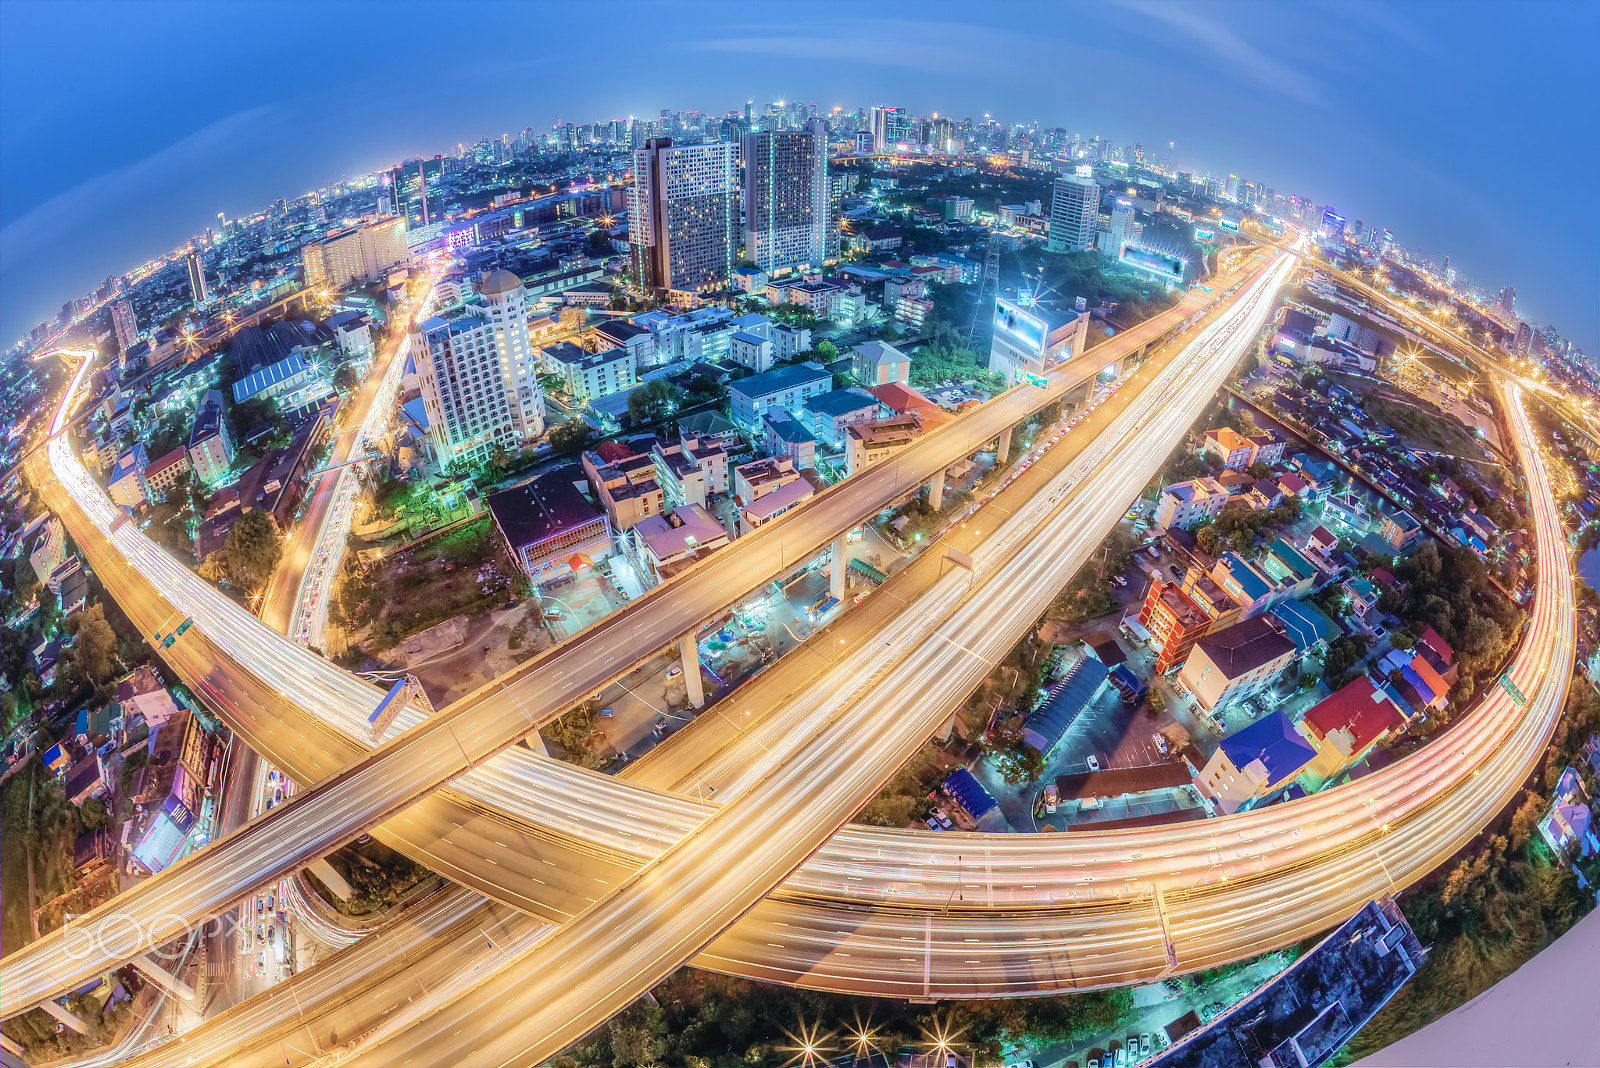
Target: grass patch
[[1425, 427]]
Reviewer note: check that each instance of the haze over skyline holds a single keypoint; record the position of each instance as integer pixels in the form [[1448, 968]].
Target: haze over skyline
[[125, 128]]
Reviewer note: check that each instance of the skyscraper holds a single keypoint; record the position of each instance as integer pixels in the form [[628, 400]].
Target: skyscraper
[[1508, 300], [479, 377], [683, 215], [197, 279], [124, 324], [1074, 208], [889, 127], [787, 210]]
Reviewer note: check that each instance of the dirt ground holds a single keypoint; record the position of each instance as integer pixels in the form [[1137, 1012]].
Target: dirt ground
[[489, 646]]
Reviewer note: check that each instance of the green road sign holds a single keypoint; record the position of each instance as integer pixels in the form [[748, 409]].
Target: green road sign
[[1511, 688]]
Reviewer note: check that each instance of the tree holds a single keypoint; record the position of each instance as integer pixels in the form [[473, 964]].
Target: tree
[[1259, 470], [570, 437], [599, 240], [1014, 758], [654, 401], [827, 350], [499, 459], [1207, 540], [93, 813], [94, 653], [574, 731], [253, 549], [1157, 700]]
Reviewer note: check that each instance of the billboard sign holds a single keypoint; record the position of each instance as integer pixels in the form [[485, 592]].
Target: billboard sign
[[1204, 235], [1163, 265], [1230, 224], [1027, 331]]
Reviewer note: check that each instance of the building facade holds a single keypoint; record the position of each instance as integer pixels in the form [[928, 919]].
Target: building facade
[[789, 220], [1074, 214], [362, 253], [477, 371], [683, 215]]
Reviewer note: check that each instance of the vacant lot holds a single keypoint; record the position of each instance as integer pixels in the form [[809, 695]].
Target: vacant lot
[[1427, 428]]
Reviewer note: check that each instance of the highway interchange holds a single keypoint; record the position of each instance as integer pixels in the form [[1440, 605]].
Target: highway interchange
[[1125, 919]]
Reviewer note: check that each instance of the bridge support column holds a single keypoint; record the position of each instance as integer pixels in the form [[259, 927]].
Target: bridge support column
[[11, 1047], [1002, 448], [535, 742], [69, 1019], [936, 491], [161, 977], [836, 575], [331, 878], [689, 652]]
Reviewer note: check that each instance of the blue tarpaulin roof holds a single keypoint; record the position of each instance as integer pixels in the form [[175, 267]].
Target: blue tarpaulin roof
[[969, 793], [268, 376]]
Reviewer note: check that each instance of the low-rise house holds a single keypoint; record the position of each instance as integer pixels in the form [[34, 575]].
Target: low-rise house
[[1254, 765], [877, 363], [787, 388], [1188, 504], [548, 522], [1400, 529], [626, 488], [671, 542], [787, 436], [869, 444], [1236, 663], [1231, 448], [1344, 727], [1305, 624], [830, 413]]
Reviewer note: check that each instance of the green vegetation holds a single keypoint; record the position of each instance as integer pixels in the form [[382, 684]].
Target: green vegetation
[[577, 734], [93, 656], [1427, 428], [1089, 595], [705, 1020], [1236, 527], [572, 437], [378, 876], [654, 401], [1504, 900], [950, 357], [1449, 590]]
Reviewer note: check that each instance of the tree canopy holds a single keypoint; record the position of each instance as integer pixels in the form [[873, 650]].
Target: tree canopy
[[253, 549]]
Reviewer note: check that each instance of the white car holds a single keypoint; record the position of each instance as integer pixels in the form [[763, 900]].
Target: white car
[[1094, 762], [674, 671]]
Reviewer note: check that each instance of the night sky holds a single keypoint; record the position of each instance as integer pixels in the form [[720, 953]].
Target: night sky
[[1466, 128]]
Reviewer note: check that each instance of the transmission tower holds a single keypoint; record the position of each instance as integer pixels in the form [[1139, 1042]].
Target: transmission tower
[[988, 285]]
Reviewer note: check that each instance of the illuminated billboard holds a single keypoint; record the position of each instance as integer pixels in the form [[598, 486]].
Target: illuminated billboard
[[1230, 224], [1163, 265], [1204, 235], [1028, 331]]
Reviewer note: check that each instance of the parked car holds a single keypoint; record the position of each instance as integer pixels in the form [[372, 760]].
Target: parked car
[[944, 819], [933, 824], [1022, 1064], [1120, 580], [1094, 762], [1144, 1044], [1052, 798]]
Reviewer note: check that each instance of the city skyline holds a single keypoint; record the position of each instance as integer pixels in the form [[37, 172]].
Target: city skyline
[[82, 207]]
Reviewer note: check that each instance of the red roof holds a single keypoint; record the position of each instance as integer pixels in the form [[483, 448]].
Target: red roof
[[1360, 708], [1431, 638], [175, 456], [1325, 536], [1429, 676], [612, 451], [903, 400]]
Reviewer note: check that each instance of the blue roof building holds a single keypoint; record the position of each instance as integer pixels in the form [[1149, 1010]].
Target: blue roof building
[[1253, 765], [1073, 695], [1305, 624], [965, 789]]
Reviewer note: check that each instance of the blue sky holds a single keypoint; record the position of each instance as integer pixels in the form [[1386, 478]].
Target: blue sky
[[1465, 127]]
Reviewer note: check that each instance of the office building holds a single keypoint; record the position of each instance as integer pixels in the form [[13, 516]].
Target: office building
[[1031, 338], [197, 279], [478, 374], [365, 252], [789, 217], [683, 215], [889, 127], [1074, 214], [124, 324], [210, 446]]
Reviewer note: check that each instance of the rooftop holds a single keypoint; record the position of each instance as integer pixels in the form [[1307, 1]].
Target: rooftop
[[1358, 707], [841, 402], [1245, 646], [1274, 742], [547, 507], [778, 380]]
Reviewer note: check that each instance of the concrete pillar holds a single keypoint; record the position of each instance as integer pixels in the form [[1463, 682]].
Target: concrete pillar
[[936, 491], [1002, 449], [690, 654], [65, 1017], [836, 576], [154, 972], [11, 1048], [535, 742], [331, 879]]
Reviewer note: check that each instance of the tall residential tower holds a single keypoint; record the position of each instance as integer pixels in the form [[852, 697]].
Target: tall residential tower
[[683, 215], [788, 202], [1074, 214]]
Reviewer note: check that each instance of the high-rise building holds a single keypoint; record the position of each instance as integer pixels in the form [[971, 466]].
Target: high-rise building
[[683, 215], [787, 211], [479, 375], [889, 127], [1508, 300], [361, 253], [124, 325], [1074, 211], [197, 279]]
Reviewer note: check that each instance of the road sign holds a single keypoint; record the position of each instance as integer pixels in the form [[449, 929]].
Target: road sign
[[1031, 379], [1510, 687]]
